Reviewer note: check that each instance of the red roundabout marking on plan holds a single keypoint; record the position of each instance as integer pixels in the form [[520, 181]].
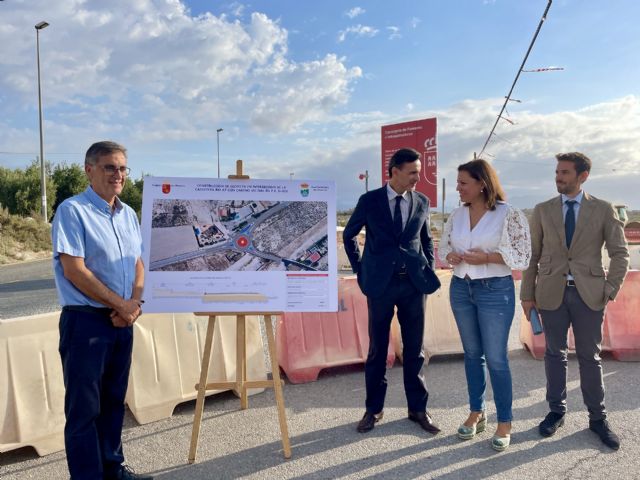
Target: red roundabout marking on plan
[[242, 242]]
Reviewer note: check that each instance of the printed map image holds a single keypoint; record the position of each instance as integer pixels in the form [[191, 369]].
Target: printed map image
[[238, 235]]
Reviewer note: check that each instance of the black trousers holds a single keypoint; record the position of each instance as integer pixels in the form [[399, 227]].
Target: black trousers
[[400, 293], [96, 357]]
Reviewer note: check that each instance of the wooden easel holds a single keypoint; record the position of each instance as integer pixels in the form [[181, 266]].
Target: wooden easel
[[241, 384]]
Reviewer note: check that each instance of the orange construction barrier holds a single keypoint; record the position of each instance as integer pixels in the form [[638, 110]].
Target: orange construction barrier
[[310, 342], [621, 326], [620, 330]]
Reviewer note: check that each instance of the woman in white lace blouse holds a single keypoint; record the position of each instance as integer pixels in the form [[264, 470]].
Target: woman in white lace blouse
[[484, 240]]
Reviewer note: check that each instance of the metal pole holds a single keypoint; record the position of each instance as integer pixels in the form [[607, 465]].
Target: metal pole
[[218, 148], [443, 199], [366, 180], [43, 181]]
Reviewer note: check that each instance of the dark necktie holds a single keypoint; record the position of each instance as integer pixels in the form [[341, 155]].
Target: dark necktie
[[570, 221], [397, 217]]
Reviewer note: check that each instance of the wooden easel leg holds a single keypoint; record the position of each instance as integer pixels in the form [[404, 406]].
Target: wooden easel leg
[[202, 389], [277, 387], [241, 361]]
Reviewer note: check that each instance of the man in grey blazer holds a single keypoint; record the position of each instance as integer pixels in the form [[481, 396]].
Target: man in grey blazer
[[568, 285], [395, 270]]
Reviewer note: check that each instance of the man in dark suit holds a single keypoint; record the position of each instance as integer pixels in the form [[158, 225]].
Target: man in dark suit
[[566, 282], [395, 270]]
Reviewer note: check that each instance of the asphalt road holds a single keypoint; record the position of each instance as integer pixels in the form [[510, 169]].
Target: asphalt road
[[27, 288], [322, 417]]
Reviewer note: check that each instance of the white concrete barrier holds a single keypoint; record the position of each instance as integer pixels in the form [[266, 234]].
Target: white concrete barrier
[[165, 367]]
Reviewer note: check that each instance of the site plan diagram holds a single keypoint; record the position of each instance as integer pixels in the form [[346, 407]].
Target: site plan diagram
[[224, 245]]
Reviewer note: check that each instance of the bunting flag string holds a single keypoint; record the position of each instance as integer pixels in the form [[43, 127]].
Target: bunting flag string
[[520, 70], [544, 69], [507, 120]]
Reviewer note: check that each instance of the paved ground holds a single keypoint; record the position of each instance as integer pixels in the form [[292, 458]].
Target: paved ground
[[27, 288], [322, 416]]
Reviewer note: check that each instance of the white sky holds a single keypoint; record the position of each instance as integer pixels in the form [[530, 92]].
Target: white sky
[[303, 87]]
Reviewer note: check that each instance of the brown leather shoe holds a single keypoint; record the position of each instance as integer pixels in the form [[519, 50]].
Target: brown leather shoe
[[425, 421], [369, 421]]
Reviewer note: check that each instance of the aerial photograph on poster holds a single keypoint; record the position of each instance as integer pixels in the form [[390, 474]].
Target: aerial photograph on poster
[[238, 235]]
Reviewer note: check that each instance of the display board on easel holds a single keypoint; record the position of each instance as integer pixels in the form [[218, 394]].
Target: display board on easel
[[229, 245], [241, 383]]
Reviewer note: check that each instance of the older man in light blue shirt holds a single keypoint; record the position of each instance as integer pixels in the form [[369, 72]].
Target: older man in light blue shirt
[[99, 276]]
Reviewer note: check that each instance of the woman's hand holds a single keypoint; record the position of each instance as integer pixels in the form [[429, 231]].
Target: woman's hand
[[454, 258], [475, 256]]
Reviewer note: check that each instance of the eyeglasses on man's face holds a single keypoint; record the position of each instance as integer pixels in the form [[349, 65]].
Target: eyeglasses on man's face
[[112, 169]]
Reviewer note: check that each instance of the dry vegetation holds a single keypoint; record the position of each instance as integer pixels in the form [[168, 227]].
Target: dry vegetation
[[23, 238]]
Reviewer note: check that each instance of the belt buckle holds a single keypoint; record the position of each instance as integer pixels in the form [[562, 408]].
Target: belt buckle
[[571, 283]]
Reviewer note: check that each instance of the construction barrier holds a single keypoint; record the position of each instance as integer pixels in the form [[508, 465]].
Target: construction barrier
[[310, 342], [167, 353], [620, 329], [441, 335], [621, 325], [31, 385]]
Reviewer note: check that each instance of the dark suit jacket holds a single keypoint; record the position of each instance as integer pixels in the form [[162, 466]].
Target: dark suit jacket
[[383, 250]]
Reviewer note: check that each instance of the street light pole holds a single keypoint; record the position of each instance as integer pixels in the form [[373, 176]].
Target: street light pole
[[218, 145], [43, 182]]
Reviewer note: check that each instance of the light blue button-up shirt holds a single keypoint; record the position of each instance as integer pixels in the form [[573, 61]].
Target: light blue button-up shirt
[[109, 241]]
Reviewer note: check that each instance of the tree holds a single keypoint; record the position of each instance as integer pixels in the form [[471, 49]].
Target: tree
[[21, 190], [132, 195], [70, 180]]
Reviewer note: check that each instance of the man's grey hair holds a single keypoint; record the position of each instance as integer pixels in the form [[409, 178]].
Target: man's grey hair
[[100, 149]]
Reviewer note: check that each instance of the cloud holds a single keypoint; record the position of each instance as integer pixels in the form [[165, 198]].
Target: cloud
[[237, 9], [139, 67], [415, 21], [394, 33], [523, 154], [357, 31], [354, 12]]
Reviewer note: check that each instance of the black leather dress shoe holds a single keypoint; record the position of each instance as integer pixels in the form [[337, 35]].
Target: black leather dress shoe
[[601, 427], [369, 421], [552, 422], [425, 421], [127, 473]]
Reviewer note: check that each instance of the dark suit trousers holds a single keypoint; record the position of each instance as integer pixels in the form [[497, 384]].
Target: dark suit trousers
[[411, 304], [587, 331], [96, 357]]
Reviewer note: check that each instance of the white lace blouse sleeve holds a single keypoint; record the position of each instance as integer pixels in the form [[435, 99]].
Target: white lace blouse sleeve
[[515, 244], [444, 246]]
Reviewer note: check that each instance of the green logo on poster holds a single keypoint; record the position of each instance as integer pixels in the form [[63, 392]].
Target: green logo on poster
[[304, 189]]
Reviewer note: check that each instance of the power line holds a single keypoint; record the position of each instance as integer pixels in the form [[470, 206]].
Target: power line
[[533, 40]]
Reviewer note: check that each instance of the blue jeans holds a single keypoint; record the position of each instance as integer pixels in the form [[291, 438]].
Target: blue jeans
[[483, 309]]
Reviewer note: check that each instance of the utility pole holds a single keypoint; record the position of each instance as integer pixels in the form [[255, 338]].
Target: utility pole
[[365, 176], [218, 145], [43, 179], [443, 198]]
